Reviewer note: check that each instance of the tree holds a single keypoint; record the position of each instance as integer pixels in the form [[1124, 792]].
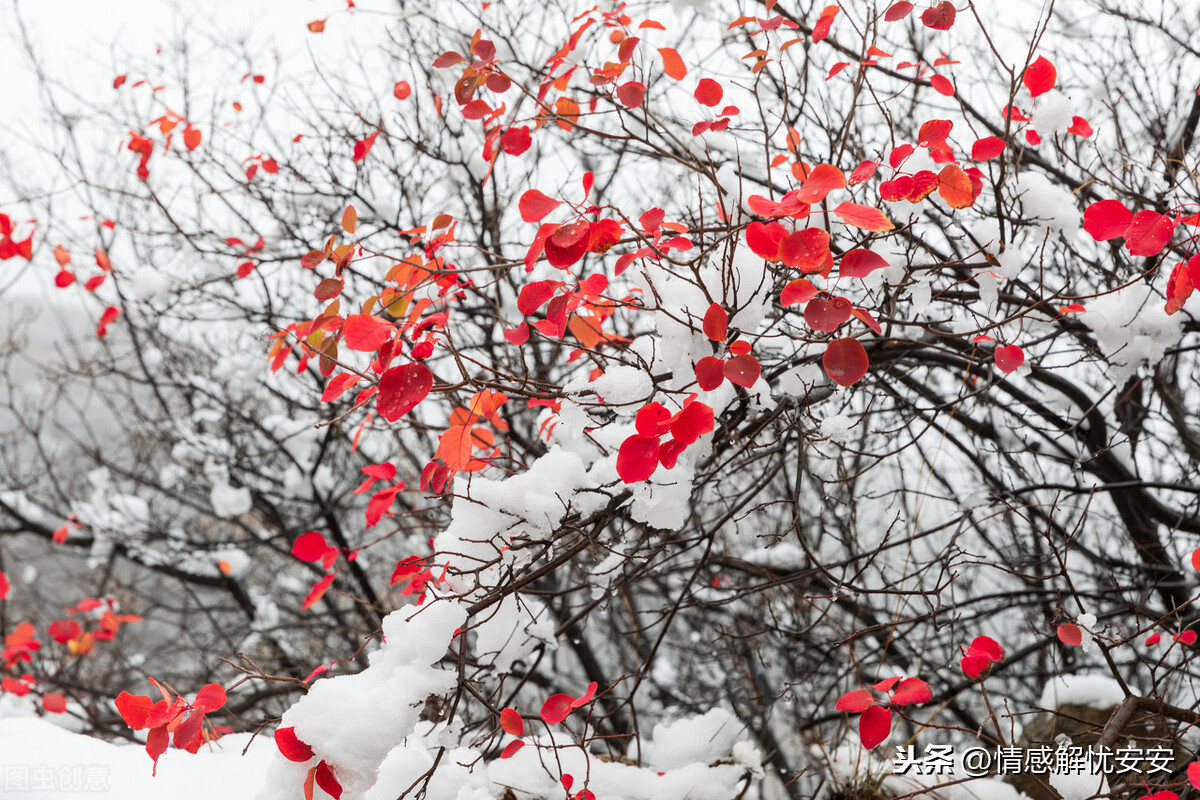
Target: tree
[[654, 362]]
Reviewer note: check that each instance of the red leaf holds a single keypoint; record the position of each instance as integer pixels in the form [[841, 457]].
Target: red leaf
[[187, 735], [317, 26], [1070, 635], [653, 420], [5, 586], [824, 23], [1039, 77], [934, 132], [61, 631], [401, 389], [987, 148], [874, 726], [695, 420], [672, 63], [518, 335], [534, 205], [291, 747], [826, 314], [327, 781], [940, 17], [191, 137], [954, 187], [807, 250], [361, 149], [823, 179], [586, 697], [709, 92], [887, 684], [309, 546], [54, 703], [636, 461], [1193, 774], [534, 295], [765, 239], [1148, 233], [716, 323], [845, 361], [898, 10], [210, 697], [973, 664], [337, 386], [800, 290], [567, 244], [156, 744], [942, 85], [557, 706], [855, 702], [381, 502], [516, 141], [631, 94], [1008, 358], [512, 748], [1080, 127], [912, 691], [860, 263], [1107, 219], [511, 722], [133, 708], [865, 217], [862, 172], [1196, 558], [988, 646], [366, 332], [710, 373], [317, 592], [743, 370]]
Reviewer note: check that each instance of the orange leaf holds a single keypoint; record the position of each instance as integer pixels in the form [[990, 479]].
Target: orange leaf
[[350, 220], [672, 63]]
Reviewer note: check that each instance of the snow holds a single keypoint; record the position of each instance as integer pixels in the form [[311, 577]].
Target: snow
[[229, 501], [1091, 691]]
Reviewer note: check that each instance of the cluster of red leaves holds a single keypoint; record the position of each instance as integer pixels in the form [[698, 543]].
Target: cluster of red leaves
[[876, 721], [22, 643], [556, 709], [581, 309], [65, 277], [1039, 78], [9, 247], [171, 719], [269, 165], [979, 657], [297, 751], [642, 453], [740, 368], [412, 575], [312, 547]]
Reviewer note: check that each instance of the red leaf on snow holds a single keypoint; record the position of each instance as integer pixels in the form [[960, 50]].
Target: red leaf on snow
[[743, 370], [1040, 77], [512, 748], [912, 691], [710, 373], [845, 361], [874, 726], [54, 703], [327, 781], [511, 722], [695, 420], [860, 263], [401, 90], [1008, 358], [534, 205], [653, 420], [1148, 233], [1070, 635], [636, 460], [716, 323], [940, 17], [708, 92], [1107, 219], [855, 702], [556, 708], [987, 148], [366, 332], [401, 389], [156, 744], [309, 546]]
